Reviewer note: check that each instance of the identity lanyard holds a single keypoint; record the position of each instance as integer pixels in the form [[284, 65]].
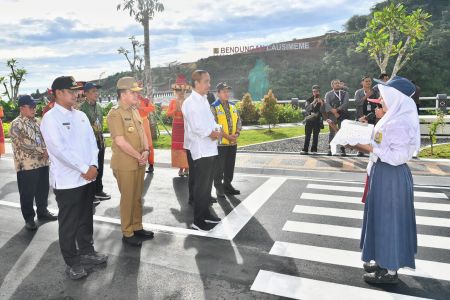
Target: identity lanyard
[[34, 130], [369, 106], [338, 95]]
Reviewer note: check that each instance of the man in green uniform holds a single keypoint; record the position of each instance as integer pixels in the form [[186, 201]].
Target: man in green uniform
[[94, 112]]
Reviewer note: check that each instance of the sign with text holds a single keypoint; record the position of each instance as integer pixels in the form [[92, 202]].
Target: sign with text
[[288, 46]]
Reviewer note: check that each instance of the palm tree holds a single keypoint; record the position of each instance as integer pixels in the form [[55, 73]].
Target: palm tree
[[144, 11]]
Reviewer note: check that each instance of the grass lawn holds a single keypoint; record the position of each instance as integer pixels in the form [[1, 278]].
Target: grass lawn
[[440, 151], [247, 137]]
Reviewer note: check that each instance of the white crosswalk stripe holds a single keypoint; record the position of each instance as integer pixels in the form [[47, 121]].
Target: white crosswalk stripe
[[427, 269], [361, 190], [423, 240], [299, 287], [309, 289], [358, 214], [354, 200]]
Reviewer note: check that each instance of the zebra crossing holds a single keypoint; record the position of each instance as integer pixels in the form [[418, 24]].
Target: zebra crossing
[[329, 202]]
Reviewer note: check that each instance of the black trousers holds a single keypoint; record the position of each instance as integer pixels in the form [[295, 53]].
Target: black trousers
[[76, 225], [33, 185], [314, 129], [101, 162], [203, 179], [225, 167], [191, 176]]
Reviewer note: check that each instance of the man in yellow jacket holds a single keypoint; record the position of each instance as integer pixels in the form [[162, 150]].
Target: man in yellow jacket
[[228, 117]]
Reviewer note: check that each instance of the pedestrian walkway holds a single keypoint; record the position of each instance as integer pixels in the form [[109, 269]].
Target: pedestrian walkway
[[320, 207]]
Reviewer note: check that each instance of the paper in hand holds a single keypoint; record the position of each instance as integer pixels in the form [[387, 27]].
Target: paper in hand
[[352, 133]]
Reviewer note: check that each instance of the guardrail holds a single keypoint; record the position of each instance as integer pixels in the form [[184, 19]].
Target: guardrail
[[302, 102], [166, 96]]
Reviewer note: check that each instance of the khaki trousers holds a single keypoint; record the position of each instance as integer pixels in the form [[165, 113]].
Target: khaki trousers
[[131, 185]]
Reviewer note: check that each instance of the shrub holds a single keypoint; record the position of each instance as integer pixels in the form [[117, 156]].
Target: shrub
[[107, 108], [249, 113], [10, 110], [288, 114], [269, 110]]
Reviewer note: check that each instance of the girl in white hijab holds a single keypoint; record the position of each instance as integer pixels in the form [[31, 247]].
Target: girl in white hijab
[[389, 236]]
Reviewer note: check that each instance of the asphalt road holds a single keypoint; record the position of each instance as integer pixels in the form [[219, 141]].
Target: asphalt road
[[284, 236]]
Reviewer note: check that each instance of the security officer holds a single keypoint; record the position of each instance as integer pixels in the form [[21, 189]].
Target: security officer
[[228, 117], [129, 158]]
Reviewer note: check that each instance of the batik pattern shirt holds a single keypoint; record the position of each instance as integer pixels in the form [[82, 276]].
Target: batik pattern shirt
[[28, 144]]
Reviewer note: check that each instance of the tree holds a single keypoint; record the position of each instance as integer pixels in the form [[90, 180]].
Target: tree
[[439, 122], [393, 32], [356, 23], [144, 11], [249, 114], [15, 78], [269, 109], [136, 60]]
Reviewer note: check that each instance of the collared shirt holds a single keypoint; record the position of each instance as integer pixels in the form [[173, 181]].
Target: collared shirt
[[124, 120], [71, 146], [337, 99], [28, 144], [94, 112], [393, 143], [198, 125], [364, 107]]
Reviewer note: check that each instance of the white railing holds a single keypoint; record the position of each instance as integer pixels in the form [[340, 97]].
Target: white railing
[[302, 101]]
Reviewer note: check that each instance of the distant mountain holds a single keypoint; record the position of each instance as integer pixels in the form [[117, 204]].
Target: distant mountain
[[291, 73]]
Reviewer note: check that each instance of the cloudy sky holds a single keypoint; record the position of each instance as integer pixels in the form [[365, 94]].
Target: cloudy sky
[[80, 38]]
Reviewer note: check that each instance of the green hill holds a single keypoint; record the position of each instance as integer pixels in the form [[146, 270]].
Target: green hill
[[292, 73]]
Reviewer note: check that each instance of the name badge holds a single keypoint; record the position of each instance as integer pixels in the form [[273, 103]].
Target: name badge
[[67, 125], [378, 137], [369, 107]]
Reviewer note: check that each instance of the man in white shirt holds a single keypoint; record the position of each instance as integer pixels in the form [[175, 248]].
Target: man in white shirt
[[73, 151], [200, 141]]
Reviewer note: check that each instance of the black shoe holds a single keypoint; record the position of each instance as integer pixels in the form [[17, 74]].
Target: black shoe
[[232, 191], [212, 219], [203, 226], [303, 152], [102, 196], [96, 202], [144, 234], [30, 225], [370, 268], [381, 277], [47, 216], [76, 272], [150, 169], [94, 258], [361, 154], [221, 197], [132, 240], [329, 153], [213, 199]]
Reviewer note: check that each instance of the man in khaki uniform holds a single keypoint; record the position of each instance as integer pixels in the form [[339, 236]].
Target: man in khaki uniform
[[129, 158]]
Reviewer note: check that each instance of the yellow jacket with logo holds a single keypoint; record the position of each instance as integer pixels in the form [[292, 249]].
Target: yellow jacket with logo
[[222, 119]]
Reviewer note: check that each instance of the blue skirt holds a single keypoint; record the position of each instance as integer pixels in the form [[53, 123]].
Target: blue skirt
[[389, 234]]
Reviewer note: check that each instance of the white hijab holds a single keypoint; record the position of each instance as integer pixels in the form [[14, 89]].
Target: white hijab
[[400, 108]]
